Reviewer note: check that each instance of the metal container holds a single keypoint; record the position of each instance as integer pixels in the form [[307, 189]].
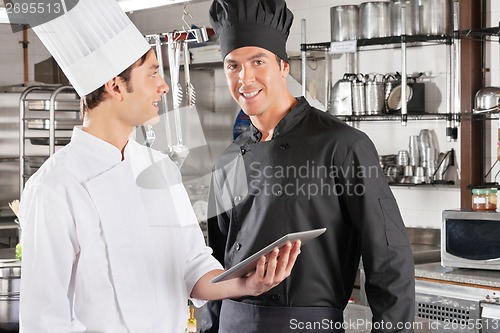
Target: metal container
[[374, 19], [412, 24], [374, 94], [10, 280], [487, 99], [358, 98], [435, 17], [344, 22], [341, 97]]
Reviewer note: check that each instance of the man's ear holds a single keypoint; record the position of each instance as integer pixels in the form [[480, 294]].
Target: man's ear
[[285, 68], [115, 88]]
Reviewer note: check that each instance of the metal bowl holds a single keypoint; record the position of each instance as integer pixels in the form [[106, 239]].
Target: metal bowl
[[487, 99]]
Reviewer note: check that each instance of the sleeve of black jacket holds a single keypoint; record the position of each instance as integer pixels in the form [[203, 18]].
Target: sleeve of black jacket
[[217, 241], [385, 249]]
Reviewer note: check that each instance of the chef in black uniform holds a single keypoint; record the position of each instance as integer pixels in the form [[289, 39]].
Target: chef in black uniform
[[297, 168]]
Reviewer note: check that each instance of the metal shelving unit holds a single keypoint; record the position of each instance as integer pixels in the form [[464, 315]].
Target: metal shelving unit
[[489, 34], [402, 41], [412, 40], [45, 119]]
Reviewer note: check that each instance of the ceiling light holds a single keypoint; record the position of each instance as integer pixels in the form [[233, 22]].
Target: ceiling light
[[126, 5], [132, 5]]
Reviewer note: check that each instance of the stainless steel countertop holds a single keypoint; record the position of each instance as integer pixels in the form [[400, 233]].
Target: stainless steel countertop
[[486, 278]]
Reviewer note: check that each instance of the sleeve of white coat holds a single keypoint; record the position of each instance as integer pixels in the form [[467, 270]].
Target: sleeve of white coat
[[49, 251], [199, 260]]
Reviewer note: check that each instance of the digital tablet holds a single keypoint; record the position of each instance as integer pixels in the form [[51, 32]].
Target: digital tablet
[[248, 265]]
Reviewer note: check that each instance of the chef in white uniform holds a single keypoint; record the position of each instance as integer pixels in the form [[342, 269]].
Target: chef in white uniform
[[101, 253]]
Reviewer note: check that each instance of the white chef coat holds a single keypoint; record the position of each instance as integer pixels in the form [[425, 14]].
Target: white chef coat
[[100, 252]]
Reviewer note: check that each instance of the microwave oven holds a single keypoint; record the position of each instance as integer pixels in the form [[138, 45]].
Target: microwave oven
[[470, 239]]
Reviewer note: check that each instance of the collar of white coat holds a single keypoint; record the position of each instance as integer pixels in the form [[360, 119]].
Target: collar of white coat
[[99, 149]]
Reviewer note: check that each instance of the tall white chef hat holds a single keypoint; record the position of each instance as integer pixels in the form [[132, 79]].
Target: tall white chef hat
[[92, 42]]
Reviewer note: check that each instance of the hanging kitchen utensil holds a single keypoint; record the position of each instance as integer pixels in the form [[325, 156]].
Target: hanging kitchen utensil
[[179, 150], [149, 134], [190, 92]]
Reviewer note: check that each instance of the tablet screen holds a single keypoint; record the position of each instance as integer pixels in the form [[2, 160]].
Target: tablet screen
[[248, 265]]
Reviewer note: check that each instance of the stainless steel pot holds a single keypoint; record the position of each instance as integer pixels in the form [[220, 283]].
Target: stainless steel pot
[[435, 17], [374, 19], [344, 22], [412, 25], [341, 96], [359, 95], [374, 95]]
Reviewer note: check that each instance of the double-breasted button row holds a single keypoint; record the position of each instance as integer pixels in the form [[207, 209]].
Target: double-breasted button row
[[284, 146]]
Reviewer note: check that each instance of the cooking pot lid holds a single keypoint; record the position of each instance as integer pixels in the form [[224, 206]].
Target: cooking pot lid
[[394, 99]]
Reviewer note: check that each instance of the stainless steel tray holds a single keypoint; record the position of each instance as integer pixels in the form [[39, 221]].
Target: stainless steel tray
[[45, 141], [44, 105], [60, 124], [35, 161]]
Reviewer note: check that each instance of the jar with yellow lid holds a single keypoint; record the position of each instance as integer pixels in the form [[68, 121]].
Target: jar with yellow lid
[[484, 199]]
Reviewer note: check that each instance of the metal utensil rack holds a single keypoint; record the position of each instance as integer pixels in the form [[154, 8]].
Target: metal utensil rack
[[404, 41], [50, 104], [173, 40]]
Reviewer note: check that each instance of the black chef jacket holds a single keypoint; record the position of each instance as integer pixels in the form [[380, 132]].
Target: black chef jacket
[[316, 172]]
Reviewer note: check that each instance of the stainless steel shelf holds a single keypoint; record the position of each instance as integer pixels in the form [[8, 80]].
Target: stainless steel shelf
[[59, 124], [9, 159], [487, 34], [394, 117], [495, 115], [415, 40], [445, 184], [44, 105]]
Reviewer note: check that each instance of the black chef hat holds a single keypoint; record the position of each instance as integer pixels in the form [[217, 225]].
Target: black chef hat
[[261, 23]]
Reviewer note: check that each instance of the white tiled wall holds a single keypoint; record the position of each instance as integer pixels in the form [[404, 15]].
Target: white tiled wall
[[11, 55]]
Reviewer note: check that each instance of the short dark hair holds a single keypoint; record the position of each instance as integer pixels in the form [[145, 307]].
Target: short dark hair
[[93, 99], [278, 59]]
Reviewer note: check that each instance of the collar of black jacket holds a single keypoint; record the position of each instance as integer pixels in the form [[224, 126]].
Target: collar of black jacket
[[288, 122]]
